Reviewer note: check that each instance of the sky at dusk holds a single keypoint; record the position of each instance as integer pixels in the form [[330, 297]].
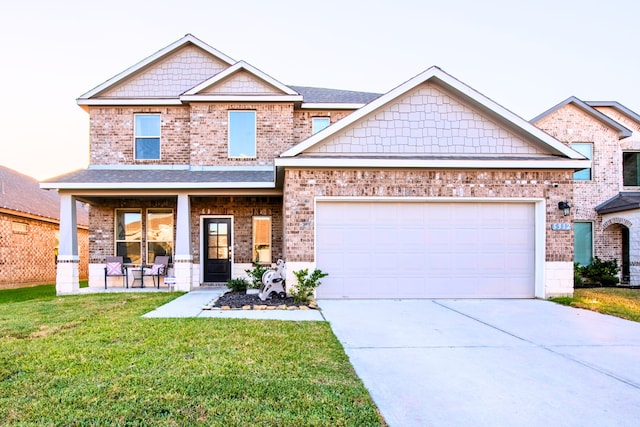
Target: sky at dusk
[[525, 55]]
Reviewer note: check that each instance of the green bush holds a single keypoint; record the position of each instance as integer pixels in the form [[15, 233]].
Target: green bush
[[255, 274], [306, 284], [599, 271], [238, 285]]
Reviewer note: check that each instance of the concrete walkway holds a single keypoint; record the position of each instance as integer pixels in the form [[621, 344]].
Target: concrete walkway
[[190, 305], [491, 362]]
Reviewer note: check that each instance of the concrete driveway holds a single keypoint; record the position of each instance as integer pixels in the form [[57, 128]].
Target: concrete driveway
[[491, 362]]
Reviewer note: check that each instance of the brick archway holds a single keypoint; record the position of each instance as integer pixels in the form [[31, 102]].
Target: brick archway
[[617, 220]]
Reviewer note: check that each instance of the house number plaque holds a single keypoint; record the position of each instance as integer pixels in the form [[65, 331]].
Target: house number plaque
[[560, 226]]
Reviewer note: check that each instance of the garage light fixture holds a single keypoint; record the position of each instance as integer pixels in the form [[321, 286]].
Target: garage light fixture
[[565, 208]]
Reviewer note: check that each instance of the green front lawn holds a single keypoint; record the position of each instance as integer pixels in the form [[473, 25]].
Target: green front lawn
[[92, 360], [618, 302]]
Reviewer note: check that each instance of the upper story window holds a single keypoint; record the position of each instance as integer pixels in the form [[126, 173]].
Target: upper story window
[[319, 123], [147, 136], [242, 134], [586, 149], [631, 169]]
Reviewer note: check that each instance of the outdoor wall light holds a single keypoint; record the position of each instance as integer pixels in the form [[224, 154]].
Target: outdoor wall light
[[565, 208]]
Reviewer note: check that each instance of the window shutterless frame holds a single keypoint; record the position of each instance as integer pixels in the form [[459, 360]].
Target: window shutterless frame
[[146, 140], [586, 149], [128, 235], [319, 123], [262, 239], [631, 169], [160, 224], [242, 134]]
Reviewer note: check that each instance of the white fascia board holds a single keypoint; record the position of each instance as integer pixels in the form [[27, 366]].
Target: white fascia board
[[154, 185], [241, 98], [447, 80], [330, 106], [432, 163], [241, 65], [159, 54], [130, 101]]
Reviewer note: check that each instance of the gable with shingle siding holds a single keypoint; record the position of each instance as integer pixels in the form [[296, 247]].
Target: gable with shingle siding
[[169, 77], [427, 120]]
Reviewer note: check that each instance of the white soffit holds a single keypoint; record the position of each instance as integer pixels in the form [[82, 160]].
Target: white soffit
[[449, 83]]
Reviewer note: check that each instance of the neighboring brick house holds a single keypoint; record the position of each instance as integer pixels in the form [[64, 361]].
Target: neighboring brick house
[[607, 195], [29, 221], [430, 190]]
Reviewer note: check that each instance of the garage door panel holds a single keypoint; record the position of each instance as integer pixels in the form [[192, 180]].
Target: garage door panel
[[426, 250]]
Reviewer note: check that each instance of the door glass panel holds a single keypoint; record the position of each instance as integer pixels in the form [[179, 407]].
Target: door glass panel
[[223, 253], [213, 229], [222, 228]]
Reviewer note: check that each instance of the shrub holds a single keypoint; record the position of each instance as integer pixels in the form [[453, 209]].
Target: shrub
[[255, 274], [238, 285], [578, 282], [603, 272], [306, 284]]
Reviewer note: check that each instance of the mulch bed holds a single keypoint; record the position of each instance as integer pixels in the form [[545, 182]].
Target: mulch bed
[[240, 300]]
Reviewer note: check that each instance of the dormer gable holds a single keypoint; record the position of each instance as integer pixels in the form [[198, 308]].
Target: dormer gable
[[242, 82]]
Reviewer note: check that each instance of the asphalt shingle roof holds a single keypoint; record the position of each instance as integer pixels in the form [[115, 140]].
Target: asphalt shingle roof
[[111, 176], [322, 95], [22, 193], [624, 201]]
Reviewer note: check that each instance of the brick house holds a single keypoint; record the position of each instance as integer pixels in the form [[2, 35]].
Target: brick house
[[430, 190], [29, 221], [606, 196]]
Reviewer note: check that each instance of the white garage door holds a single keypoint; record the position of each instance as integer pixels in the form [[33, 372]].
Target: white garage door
[[425, 250]]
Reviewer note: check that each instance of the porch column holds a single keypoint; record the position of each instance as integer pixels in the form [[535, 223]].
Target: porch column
[[183, 261], [67, 276]]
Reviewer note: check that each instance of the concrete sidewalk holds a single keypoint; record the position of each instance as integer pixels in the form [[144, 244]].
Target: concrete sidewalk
[[491, 362], [190, 305]]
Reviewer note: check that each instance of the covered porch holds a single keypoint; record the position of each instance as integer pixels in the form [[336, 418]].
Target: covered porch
[[211, 224]]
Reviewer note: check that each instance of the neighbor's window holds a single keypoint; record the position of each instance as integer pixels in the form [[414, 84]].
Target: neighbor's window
[[631, 169], [242, 134], [586, 149], [319, 123], [19, 227], [129, 235], [147, 136], [262, 239], [582, 242], [159, 233]]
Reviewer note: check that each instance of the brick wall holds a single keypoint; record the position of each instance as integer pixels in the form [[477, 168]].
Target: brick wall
[[209, 133], [302, 121], [303, 185], [112, 137], [243, 209], [570, 125], [27, 256]]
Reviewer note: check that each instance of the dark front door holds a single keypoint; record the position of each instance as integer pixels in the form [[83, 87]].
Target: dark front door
[[217, 249], [626, 273]]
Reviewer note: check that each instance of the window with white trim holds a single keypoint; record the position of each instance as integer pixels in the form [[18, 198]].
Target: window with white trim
[[128, 235], [262, 239], [159, 233], [147, 136], [586, 149], [242, 134], [319, 123]]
